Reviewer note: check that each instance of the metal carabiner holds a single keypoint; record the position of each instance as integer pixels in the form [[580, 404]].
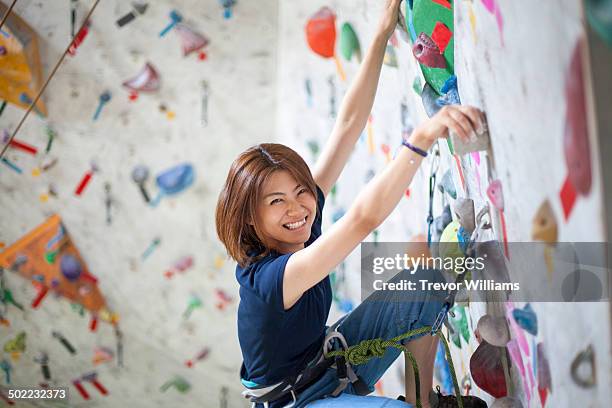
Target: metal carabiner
[[440, 319], [483, 222]]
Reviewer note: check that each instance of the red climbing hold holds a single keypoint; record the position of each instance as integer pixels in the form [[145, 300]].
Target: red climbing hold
[[487, 369], [441, 35], [321, 32], [427, 52], [443, 3], [568, 197]]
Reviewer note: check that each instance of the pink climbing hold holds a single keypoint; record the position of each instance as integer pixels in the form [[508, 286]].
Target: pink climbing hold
[[576, 137], [191, 40], [476, 157], [494, 192], [147, 80], [489, 5], [427, 52], [493, 8]]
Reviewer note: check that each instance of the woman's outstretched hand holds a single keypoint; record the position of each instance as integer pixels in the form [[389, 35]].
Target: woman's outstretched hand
[[389, 18], [465, 121]]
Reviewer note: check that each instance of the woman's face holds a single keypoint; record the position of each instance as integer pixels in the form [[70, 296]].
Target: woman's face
[[286, 212]]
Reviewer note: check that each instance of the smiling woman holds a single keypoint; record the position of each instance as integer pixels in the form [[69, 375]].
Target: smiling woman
[[266, 182], [269, 216]]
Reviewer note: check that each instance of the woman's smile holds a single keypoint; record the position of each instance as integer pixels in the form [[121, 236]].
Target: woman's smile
[[297, 226]]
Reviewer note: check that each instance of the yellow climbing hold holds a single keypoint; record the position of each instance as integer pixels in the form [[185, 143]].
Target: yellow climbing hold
[[472, 21], [449, 242], [219, 261]]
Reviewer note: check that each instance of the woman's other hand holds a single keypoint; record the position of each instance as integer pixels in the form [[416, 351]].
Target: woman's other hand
[[465, 121], [389, 18]]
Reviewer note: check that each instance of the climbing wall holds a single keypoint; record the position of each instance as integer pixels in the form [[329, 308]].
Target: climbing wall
[[74, 222], [520, 62]]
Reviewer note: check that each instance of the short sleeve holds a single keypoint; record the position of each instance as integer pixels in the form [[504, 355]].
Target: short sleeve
[[318, 221], [265, 278]]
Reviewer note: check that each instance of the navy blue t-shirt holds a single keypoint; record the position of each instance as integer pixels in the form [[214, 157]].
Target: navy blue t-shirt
[[278, 343]]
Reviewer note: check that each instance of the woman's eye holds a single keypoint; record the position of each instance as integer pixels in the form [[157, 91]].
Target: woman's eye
[[276, 200], [303, 191]]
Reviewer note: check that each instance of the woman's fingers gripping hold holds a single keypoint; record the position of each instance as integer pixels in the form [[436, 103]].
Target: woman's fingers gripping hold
[[464, 122], [475, 115]]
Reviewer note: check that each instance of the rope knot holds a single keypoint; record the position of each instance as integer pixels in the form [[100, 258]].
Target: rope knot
[[366, 350]]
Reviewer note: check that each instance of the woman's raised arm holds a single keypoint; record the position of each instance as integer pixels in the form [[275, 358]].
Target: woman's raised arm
[[307, 267], [356, 105]]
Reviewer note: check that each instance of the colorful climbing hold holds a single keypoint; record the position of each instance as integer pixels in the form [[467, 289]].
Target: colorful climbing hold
[[427, 52]]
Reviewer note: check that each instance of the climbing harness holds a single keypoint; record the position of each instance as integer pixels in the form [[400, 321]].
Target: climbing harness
[[313, 371], [344, 359]]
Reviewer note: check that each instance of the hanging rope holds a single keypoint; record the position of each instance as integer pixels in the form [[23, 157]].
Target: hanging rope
[[7, 13], [42, 89], [375, 348]]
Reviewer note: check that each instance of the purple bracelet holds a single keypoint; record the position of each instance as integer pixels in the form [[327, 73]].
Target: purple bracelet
[[414, 148]]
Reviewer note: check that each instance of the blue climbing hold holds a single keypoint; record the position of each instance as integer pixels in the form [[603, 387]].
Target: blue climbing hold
[[175, 179], [451, 93], [345, 305], [464, 239], [339, 213], [442, 371], [527, 319]]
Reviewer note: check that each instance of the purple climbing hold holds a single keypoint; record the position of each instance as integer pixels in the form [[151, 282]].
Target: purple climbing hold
[[71, 267], [544, 377], [427, 52]]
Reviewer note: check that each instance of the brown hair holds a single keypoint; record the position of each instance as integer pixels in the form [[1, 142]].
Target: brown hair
[[238, 200]]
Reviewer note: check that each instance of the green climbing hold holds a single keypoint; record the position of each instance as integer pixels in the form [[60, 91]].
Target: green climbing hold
[[599, 15], [7, 297], [334, 191], [425, 15], [50, 257], [459, 323], [417, 85], [17, 345], [313, 145], [349, 43]]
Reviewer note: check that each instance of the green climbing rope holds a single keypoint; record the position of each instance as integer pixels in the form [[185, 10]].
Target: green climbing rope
[[375, 348]]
